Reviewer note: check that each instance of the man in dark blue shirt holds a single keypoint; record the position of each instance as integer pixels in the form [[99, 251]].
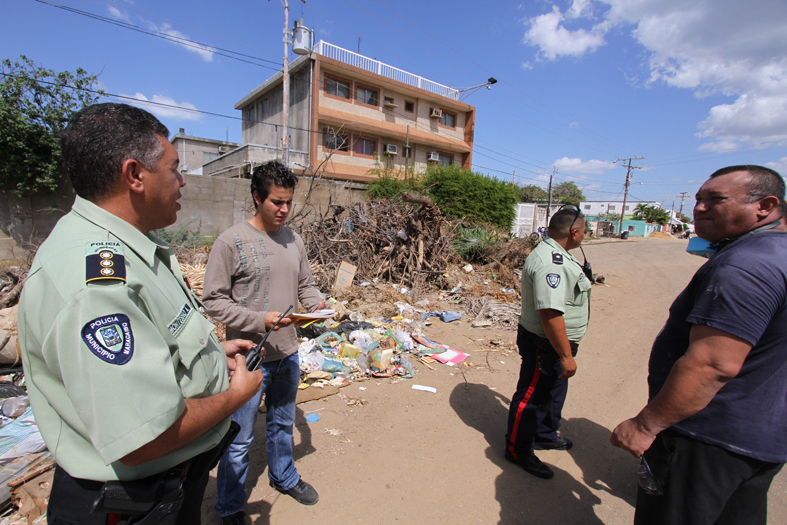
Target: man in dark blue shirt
[[714, 433]]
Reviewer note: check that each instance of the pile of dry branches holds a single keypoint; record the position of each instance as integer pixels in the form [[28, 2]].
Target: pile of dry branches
[[395, 241]]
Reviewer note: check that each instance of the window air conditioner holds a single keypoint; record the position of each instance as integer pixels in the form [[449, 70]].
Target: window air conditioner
[[433, 156], [437, 113], [391, 149], [222, 149]]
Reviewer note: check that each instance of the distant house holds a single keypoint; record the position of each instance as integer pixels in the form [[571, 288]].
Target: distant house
[[196, 151], [359, 111], [595, 208]]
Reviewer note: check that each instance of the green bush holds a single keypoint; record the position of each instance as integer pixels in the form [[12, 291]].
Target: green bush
[[389, 186], [473, 242], [182, 239], [461, 193]]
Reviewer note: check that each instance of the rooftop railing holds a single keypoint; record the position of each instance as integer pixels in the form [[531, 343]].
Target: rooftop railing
[[375, 66]]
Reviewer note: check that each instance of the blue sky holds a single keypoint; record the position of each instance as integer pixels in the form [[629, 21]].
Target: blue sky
[[691, 86]]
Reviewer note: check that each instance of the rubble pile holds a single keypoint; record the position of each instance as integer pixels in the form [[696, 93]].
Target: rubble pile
[[387, 240]]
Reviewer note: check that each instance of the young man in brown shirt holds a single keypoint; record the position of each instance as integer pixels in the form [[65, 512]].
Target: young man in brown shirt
[[256, 270]]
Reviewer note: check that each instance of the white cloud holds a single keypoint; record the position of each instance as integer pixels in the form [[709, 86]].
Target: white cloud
[[712, 47], [117, 13], [779, 165], [595, 167], [170, 108], [553, 40], [527, 66], [178, 38]]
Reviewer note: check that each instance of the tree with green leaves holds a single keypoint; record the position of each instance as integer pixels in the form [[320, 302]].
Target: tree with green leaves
[[35, 105], [463, 193], [532, 193], [684, 218], [567, 193]]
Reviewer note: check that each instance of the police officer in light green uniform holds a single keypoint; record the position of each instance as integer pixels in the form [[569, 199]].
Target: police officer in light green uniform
[[553, 278], [554, 318], [125, 375]]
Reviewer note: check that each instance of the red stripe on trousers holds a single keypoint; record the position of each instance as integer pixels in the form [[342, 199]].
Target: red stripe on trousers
[[521, 407]]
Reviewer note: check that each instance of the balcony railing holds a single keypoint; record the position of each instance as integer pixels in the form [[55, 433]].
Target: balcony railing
[[375, 66]]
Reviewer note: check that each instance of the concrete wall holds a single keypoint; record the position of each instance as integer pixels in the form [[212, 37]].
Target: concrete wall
[[26, 221], [209, 205]]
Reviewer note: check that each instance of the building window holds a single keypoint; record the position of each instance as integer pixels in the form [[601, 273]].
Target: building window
[[208, 156], [407, 152], [611, 208], [365, 95], [250, 115], [409, 106], [587, 206], [448, 119], [445, 160], [389, 101], [337, 142], [627, 208], [337, 88], [265, 106], [365, 147]]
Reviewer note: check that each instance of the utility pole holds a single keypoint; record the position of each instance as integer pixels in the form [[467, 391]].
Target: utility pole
[[682, 196], [285, 97], [549, 194], [628, 167]]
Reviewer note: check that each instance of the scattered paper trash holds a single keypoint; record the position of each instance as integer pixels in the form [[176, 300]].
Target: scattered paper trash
[[425, 388], [312, 418]]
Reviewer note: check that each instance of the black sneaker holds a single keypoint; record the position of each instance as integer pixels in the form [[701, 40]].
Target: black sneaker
[[560, 444], [302, 492], [234, 519], [532, 464]]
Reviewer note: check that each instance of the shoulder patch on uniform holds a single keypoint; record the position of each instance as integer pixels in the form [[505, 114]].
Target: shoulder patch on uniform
[[110, 338], [104, 260], [557, 258], [553, 280], [175, 326]]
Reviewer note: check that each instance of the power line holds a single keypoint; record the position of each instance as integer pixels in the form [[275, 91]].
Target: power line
[[165, 36]]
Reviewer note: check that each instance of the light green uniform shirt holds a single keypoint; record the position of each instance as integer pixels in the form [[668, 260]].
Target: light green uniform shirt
[[109, 364], [553, 279]]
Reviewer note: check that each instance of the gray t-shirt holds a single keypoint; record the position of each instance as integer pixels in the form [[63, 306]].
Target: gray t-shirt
[[250, 273]]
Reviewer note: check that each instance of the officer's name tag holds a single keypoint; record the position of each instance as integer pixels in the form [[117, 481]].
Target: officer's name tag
[[104, 260], [110, 338], [177, 324]]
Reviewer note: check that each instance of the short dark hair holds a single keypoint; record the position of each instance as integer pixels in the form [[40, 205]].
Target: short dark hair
[[99, 138], [562, 219], [266, 175], [765, 182]]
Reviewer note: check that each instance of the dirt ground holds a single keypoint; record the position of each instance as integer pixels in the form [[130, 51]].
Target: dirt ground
[[410, 456]]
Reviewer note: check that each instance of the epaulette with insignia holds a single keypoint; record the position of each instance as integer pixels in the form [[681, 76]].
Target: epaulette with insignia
[[557, 258], [104, 260]]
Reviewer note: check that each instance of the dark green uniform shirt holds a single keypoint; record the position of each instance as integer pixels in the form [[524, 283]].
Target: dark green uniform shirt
[[552, 278], [113, 342]]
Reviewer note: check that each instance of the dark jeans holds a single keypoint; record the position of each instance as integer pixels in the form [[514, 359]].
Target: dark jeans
[[704, 485], [537, 404], [71, 499]]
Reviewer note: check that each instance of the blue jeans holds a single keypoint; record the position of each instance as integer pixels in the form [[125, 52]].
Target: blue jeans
[[280, 384]]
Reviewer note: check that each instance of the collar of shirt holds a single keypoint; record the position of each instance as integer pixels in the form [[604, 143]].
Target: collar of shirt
[[143, 245], [559, 248]]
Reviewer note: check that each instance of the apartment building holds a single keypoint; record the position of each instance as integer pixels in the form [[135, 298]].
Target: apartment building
[[356, 113]]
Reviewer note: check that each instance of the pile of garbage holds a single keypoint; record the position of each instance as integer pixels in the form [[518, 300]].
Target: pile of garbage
[[338, 353]]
